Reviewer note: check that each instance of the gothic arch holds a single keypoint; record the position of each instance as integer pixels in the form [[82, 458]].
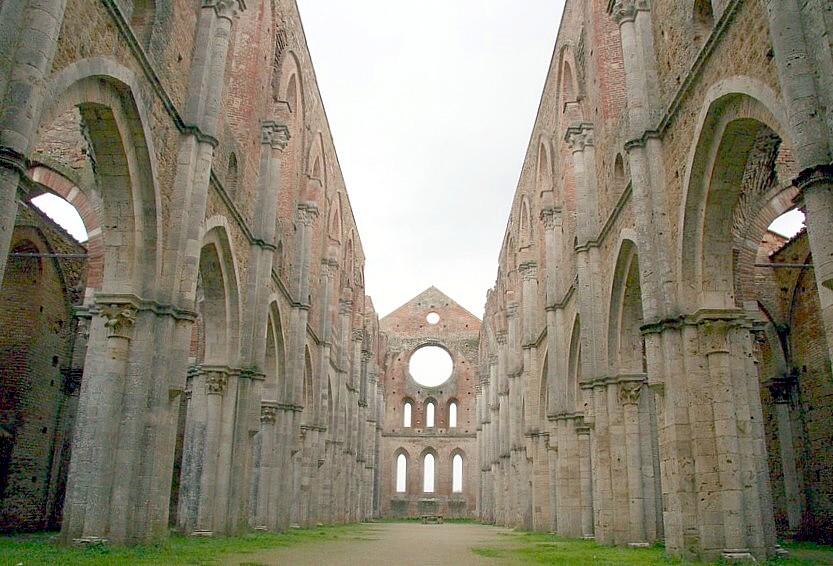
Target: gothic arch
[[737, 112], [276, 382], [624, 336], [107, 96], [573, 368], [221, 309], [60, 184]]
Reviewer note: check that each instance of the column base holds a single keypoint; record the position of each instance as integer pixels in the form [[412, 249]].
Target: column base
[[86, 542], [737, 555], [202, 534], [639, 544]]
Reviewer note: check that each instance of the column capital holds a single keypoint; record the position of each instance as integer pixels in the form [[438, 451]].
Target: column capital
[[580, 137], [307, 213], [812, 177], [549, 215], [274, 134], [268, 412], [625, 10], [215, 382], [345, 306], [629, 392], [120, 318], [227, 9], [529, 270], [781, 388]]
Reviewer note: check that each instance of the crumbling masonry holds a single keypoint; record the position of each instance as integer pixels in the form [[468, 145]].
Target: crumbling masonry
[[653, 363]]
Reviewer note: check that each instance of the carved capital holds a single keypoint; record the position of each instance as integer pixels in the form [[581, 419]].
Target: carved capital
[[268, 413], [714, 336], [227, 9], [274, 134], [629, 392], [120, 319], [216, 382], [580, 137], [345, 306], [529, 270], [625, 10], [307, 213], [358, 335], [329, 267], [818, 176], [549, 217], [781, 388], [500, 337], [512, 309]]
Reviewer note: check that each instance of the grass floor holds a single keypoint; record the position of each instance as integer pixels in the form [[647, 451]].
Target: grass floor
[[515, 547], [540, 548], [42, 549]]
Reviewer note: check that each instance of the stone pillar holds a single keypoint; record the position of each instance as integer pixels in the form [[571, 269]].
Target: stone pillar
[[265, 502], [29, 34], [87, 504], [782, 394], [811, 137], [629, 392], [585, 468]]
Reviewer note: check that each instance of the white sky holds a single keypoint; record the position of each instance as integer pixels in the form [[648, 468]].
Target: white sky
[[431, 105]]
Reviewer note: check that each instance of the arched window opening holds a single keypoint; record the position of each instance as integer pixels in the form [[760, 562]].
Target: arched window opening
[[428, 474], [401, 473], [292, 95], [703, 19], [406, 414], [231, 175], [452, 415], [619, 180], [457, 474], [429, 414], [141, 20], [63, 213], [788, 224]]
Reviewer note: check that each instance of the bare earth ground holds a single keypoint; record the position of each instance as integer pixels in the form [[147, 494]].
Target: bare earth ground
[[391, 544]]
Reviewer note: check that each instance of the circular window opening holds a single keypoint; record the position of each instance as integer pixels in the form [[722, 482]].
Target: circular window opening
[[432, 318], [430, 366]]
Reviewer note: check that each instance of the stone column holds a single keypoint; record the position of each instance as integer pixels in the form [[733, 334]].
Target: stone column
[[265, 504], [811, 137], [586, 480], [629, 392], [89, 488], [29, 34], [781, 390]]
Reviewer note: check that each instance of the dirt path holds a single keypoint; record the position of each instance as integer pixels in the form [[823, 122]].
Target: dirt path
[[391, 544]]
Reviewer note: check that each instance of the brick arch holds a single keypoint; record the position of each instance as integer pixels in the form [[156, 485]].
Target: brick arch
[[90, 212], [107, 95], [737, 113]]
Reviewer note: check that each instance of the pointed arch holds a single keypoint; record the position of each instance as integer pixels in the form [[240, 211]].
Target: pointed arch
[[108, 97], [220, 309], [738, 111], [625, 344]]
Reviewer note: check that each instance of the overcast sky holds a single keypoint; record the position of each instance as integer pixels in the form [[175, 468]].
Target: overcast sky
[[431, 106]]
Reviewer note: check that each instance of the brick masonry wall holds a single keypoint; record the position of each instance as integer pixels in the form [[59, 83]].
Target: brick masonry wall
[[407, 329], [35, 356]]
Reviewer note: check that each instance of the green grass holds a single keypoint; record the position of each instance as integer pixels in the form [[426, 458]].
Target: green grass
[[41, 549], [540, 548]]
